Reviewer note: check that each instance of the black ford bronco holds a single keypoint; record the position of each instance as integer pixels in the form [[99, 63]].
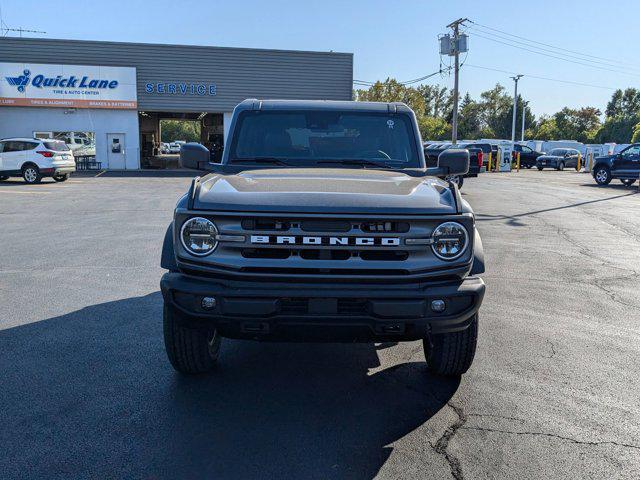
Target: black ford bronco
[[322, 223]]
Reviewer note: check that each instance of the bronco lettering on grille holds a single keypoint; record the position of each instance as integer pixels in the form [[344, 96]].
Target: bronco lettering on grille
[[328, 241]]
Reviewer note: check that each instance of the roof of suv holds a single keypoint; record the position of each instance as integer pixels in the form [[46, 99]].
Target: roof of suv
[[22, 139], [254, 104]]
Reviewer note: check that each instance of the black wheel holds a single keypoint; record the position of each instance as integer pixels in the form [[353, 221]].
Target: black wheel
[[457, 179], [528, 166], [602, 175], [31, 174], [540, 168], [452, 353], [61, 178], [189, 350], [3, 178], [560, 166], [627, 182]]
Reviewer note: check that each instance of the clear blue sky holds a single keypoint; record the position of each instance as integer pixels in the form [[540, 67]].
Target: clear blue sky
[[395, 38]]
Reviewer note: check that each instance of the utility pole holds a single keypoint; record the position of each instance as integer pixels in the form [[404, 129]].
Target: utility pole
[[455, 26], [515, 107]]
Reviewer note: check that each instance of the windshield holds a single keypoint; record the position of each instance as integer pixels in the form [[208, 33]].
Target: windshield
[[314, 137], [558, 152], [55, 145]]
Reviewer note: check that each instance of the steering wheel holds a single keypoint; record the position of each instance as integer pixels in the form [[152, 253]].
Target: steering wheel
[[376, 153]]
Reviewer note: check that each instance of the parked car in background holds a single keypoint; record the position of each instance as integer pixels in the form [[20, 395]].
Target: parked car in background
[[559, 158], [164, 147], [486, 148], [35, 158], [476, 160], [624, 166], [174, 147], [432, 151], [528, 156]]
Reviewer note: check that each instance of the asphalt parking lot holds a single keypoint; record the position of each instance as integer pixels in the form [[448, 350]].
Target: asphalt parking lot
[[86, 390]]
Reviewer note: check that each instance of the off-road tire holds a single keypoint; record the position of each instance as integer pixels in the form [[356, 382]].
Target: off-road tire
[[602, 175], [190, 351], [31, 174], [451, 354], [61, 178], [627, 182]]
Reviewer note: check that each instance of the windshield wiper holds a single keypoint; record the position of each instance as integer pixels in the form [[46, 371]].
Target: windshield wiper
[[272, 160], [356, 161]]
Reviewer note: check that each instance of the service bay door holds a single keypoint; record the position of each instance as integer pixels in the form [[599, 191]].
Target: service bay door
[[116, 151]]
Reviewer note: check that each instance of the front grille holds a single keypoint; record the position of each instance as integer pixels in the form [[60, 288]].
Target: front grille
[[324, 248], [345, 306]]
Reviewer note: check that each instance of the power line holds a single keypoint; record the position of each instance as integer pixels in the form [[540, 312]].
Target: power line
[[613, 63], [541, 78], [547, 44], [556, 57], [406, 82]]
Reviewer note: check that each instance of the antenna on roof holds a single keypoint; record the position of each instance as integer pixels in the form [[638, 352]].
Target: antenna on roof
[[20, 30]]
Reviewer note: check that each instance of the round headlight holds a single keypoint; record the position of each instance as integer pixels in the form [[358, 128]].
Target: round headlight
[[450, 240], [198, 236]]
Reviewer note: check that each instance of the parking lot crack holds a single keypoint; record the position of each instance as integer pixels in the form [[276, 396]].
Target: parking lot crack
[[553, 349], [555, 436], [442, 445]]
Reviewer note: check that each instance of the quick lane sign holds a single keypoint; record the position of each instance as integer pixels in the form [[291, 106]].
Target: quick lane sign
[[64, 86]]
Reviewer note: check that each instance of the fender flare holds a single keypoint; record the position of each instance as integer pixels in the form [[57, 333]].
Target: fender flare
[[168, 259], [478, 255]]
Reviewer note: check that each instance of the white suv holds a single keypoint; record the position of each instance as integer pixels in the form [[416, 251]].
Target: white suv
[[34, 158]]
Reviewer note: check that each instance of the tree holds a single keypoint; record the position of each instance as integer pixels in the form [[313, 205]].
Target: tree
[[187, 130], [578, 124], [624, 103], [432, 128], [393, 91], [636, 134], [544, 129], [470, 119], [438, 101]]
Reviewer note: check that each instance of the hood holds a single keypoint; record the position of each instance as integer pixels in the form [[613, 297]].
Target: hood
[[319, 190]]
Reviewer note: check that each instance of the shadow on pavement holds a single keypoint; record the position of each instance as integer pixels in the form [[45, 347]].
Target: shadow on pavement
[[90, 394], [512, 219]]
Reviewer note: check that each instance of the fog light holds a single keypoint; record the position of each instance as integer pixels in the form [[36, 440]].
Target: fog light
[[438, 305], [208, 303]]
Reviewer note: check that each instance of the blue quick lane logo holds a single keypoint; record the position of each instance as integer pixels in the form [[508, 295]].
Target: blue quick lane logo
[[162, 88], [40, 81], [21, 82]]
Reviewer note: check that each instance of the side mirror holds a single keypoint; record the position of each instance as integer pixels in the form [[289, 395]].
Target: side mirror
[[195, 156], [454, 161]]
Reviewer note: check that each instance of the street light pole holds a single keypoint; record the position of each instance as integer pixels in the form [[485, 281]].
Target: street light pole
[[515, 107], [524, 111]]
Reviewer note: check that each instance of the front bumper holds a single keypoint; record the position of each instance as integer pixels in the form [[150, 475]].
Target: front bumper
[[281, 311]]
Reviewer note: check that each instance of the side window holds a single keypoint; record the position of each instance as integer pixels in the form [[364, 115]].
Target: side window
[[633, 151], [526, 150], [28, 145], [2, 147], [11, 147]]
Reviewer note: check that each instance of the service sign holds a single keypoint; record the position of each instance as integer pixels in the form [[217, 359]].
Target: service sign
[[67, 86]]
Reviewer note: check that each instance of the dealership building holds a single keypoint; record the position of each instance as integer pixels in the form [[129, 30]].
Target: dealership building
[[107, 100]]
